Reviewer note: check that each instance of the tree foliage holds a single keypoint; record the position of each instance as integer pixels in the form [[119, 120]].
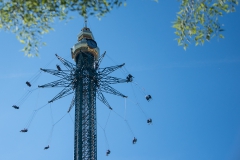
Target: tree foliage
[[198, 20], [30, 19]]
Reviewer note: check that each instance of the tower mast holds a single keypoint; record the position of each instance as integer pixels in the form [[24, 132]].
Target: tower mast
[[87, 81], [85, 53]]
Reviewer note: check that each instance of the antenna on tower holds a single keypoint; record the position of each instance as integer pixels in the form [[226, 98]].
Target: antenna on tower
[[85, 19]]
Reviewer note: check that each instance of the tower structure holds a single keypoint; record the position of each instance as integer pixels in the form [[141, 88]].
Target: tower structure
[[87, 81], [85, 53]]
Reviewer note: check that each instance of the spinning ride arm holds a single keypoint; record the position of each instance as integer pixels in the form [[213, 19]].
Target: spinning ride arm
[[98, 62], [102, 72], [66, 91], [72, 104], [112, 80], [57, 83], [108, 89], [58, 73], [101, 97], [66, 63]]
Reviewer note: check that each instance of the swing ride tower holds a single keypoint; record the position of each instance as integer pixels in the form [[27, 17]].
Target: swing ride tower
[[86, 80], [85, 53]]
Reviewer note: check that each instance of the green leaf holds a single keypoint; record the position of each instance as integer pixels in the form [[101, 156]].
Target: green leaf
[[193, 30], [221, 36], [176, 25], [22, 41], [177, 33], [202, 20]]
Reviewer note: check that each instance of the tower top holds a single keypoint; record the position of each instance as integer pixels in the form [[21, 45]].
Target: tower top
[[85, 32], [86, 43]]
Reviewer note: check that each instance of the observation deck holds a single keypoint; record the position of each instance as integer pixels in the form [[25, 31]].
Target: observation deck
[[83, 46]]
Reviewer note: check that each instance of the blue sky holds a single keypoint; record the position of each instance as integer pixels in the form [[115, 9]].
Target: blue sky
[[195, 106]]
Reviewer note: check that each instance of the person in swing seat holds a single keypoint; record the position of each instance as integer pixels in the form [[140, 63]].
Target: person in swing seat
[[148, 97], [16, 107], [134, 140], [28, 83], [149, 121], [24, 130], [129, 78], [58, 67], [46, 147], [108, 152]]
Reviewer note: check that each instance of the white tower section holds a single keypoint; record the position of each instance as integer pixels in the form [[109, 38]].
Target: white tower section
[[82, 46]]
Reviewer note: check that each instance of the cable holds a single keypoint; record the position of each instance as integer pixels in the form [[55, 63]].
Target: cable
[[24, 97], [106, 140], [28, 123], [50, 136], [140, 88], [51, 132], [41, 107], [33, 77], [104, 130], [125, 122], [71, 117], [105, 136], [50, 62], [139, 107], [125, 115], [129, 127], [124, 72], [107, 119], [37, 99], [36, 76], [100, 126], [118, 115], [51, 113], [60, 119], [137, 102]]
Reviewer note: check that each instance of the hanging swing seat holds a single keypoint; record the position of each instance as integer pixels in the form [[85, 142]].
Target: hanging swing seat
[[16, 107], [24, 130], [29, 84], [47, 147], [108, 152]]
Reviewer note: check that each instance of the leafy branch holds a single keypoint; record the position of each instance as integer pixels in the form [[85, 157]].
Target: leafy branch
[[198, 22], [30, 19]]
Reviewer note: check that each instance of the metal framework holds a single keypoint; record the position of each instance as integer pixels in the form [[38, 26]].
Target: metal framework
[[88, 81]]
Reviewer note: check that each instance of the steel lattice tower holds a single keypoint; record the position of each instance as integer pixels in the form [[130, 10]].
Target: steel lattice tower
[[87, 80], [85, 108]]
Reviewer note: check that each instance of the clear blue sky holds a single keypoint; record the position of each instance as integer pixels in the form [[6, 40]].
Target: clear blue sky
[[195, 107]]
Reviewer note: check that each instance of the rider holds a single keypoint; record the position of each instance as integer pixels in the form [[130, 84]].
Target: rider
[[16, 107], [46, 147], [148, 97], [28, 83], [134, 140], [24, 130], [108, 152], [58, 67], [149, 121], [129, 78]]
